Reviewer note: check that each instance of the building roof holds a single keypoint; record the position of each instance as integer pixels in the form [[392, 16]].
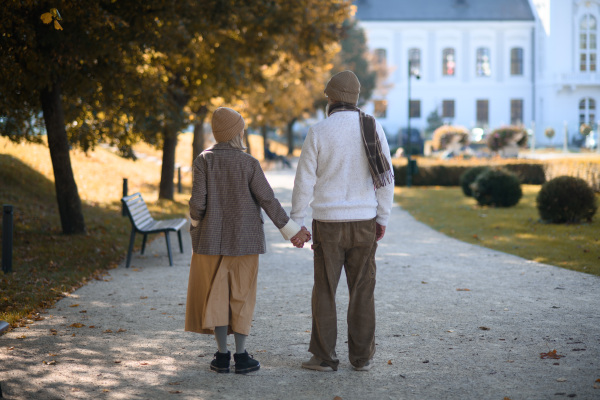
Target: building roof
[[443, 10]]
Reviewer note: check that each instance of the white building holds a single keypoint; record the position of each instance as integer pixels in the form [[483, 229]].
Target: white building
[[486, 63]]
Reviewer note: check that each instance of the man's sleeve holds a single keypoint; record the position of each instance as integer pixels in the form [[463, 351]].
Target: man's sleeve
[[306, 178], [385, 194]]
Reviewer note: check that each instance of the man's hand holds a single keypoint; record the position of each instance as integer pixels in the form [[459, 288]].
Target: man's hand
[[301, 237], [379, 231]]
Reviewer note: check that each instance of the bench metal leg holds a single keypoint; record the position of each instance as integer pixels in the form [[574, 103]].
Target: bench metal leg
[[131, 241], [144, 243], [180, 242], [169, 248]]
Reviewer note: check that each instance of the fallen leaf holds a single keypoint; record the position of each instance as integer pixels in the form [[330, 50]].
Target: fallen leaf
[[135, 269], [46, 18], [21, 337], [423, 282], [121, 330], [143, 297], [74, 305], [117, 362], [506, 398], [73, 335], [175, 383], [53, 332], [389, 362], [105, 390], [38, 318], [92, 326], [13, 347], [108, 331], [597, 380], [174, 391], [153, 308], [463, 290], [561, 379], [337, 398], [450, 331], [82, 311], [484, 328], [144, 363], [52, 354], [551, 354], [53, 362]]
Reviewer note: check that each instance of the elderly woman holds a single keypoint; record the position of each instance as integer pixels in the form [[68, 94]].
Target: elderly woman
[[229, 189]]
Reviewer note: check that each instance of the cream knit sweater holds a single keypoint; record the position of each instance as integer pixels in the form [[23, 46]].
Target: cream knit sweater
[[333, 172]]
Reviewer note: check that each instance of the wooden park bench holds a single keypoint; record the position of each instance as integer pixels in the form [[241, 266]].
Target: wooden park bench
[[142, 222]]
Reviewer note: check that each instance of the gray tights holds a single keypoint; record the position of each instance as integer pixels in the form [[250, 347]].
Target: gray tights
[[221, 336]]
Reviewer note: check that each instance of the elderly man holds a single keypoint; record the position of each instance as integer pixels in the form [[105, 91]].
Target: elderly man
[[345, 174]]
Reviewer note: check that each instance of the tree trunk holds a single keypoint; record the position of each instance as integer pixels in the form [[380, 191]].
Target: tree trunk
[[198, 141], [67, 196], [290, 136], [167, 171], [247, 140], [264, 133]]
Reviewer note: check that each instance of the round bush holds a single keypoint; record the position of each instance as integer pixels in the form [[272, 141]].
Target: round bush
[[498, 188], [446, 134], [468, 177], [566, 199], [505, 135]]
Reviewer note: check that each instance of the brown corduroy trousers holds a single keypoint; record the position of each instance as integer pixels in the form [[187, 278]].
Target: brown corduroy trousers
[[351, 245]]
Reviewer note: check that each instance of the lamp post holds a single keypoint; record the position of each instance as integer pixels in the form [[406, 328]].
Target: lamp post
[[408, 147]]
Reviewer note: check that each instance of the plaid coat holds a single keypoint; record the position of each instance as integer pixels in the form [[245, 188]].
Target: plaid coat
[[229, 189]]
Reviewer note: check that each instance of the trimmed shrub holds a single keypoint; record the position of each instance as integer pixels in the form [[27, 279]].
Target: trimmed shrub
[[468, 177], [503, 136], [566, 199], [497, 188], [446, 134]]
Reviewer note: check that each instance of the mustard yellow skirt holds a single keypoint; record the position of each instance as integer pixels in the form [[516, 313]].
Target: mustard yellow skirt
[[221, 292]]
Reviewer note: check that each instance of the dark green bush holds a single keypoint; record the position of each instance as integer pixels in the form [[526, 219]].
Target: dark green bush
[[566, 199], [498, 188], [468, 177]]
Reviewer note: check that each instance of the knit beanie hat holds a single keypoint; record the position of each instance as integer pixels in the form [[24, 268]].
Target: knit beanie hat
[[344, 87], [226, 124]]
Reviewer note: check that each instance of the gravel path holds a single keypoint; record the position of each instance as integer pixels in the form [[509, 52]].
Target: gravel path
[[454, 321]]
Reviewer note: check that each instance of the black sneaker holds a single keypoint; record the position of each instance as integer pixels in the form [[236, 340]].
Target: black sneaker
[[221, 362], [245, 363]]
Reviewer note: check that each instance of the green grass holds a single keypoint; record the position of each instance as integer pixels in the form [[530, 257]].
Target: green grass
[[48, 264], [515, 230]]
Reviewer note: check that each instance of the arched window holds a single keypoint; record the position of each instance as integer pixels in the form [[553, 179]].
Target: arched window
[[587, 111], [516, 61], [448, 62], [588, 47], [414, 58], [483, 67]]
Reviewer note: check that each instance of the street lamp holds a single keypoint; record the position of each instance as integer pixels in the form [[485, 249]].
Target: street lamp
[[410, 162]]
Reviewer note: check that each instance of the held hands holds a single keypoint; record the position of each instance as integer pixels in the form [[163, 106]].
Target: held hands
[[301, 237]]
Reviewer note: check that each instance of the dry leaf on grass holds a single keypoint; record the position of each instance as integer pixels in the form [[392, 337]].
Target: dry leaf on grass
[[122, 330], [389, 362], [74, 305], [77, 325], [551, 354], [108, 331]]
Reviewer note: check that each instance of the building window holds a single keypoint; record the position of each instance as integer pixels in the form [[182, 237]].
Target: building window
[[448, 62], [414, 59], [588, 48], [380, 57], [516, 112], [483, 67], [587, 111], [380, 108], [483, 113], [415, 108], [448, 109], [516, 61]]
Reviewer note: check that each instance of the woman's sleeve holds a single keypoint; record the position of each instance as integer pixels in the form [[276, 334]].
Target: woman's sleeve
[[263, 193], [198, 199]]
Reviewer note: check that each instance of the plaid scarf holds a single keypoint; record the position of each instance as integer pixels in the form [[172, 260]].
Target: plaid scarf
[[380, 169]]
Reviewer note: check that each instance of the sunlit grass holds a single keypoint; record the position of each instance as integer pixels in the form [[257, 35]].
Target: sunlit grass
[[515, 230], [47, 263]]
